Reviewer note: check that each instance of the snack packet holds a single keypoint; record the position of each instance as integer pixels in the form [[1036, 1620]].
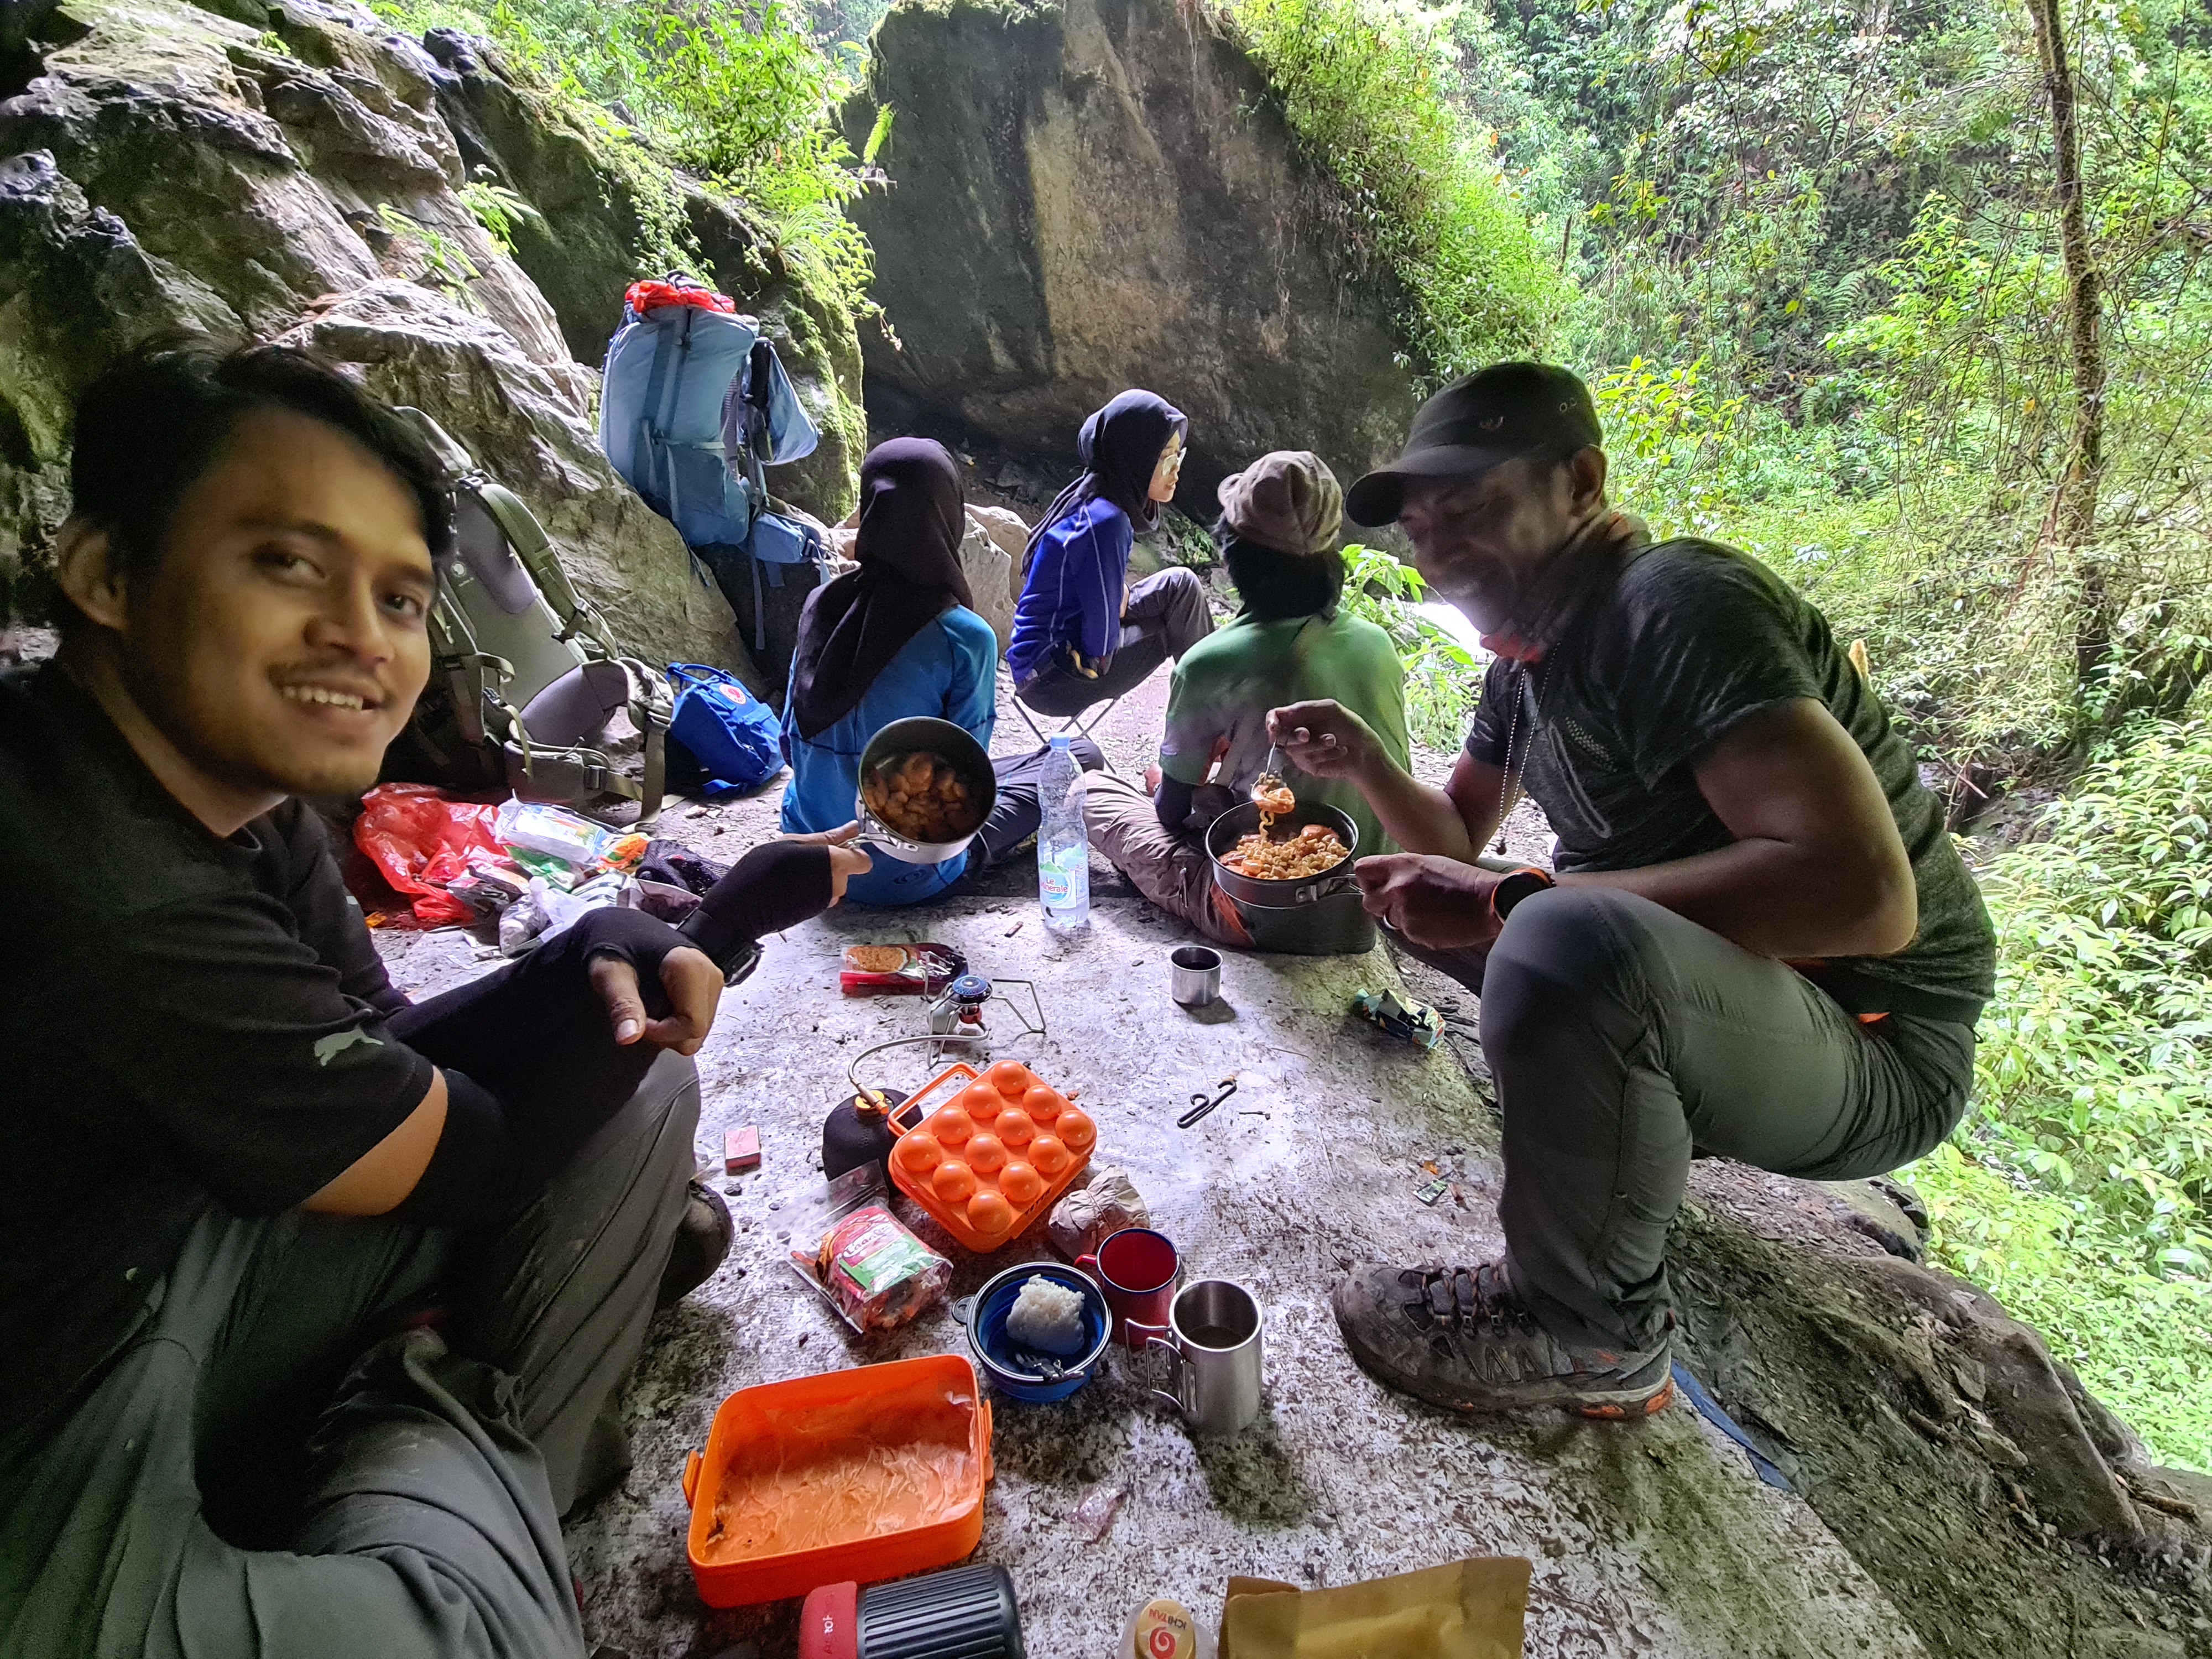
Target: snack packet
[[859, 1258], [899, 970], [1416, 1021]]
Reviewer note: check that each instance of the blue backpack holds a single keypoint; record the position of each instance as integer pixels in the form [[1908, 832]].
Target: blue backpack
[[693, 405], [731, 738], [672, 400]]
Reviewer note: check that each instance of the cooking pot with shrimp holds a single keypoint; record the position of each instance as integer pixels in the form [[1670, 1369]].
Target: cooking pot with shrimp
[[1283, 859], [925, 788]]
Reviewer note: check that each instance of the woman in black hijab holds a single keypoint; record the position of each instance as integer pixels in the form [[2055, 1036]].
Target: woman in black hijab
[[892, 639], [1081, 634]]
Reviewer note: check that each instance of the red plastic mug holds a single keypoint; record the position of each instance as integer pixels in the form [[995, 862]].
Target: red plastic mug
[[1136, 1268]]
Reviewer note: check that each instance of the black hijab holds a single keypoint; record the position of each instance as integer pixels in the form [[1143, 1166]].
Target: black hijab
[[911, 522], [1119, 447]]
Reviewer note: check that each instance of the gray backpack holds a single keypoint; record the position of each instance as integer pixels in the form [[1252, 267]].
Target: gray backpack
[[532, 668]]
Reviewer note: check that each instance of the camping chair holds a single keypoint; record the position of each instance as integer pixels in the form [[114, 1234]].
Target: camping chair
[[1075, 726]]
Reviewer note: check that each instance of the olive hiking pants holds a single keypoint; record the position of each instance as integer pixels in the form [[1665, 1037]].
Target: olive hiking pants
[[278, 1466], [1623, 1040]]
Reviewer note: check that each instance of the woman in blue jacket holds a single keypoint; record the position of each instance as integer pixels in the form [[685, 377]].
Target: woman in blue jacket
[[1082, 634], [892, 639]]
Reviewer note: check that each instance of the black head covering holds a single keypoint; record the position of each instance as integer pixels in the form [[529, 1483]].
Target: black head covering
[[908, 547], [1119, 447]]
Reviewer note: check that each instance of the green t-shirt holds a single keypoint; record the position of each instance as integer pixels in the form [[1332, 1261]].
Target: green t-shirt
[[1225, 685]]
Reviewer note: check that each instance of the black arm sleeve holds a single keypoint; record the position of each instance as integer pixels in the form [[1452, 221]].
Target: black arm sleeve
[[775, 886], [1172, 804], [531, 1069], [481, 1168]]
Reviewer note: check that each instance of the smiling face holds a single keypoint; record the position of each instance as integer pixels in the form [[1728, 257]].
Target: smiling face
[[279, 643], [1166, 475], [1482, 543]]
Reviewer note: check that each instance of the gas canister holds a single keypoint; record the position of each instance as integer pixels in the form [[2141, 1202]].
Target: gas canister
[[969, 1612]]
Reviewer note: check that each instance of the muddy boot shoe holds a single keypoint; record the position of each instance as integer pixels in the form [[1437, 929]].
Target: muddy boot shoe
[[702, 1239], [1458, 1337]]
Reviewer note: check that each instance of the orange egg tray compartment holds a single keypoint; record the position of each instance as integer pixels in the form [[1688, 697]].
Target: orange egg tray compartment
[[987, 1152]]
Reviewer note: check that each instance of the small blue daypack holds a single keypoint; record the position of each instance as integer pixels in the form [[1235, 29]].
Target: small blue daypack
[[733, 738]]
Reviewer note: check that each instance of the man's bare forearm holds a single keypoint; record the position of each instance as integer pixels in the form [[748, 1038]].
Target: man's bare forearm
[[1419, 818]]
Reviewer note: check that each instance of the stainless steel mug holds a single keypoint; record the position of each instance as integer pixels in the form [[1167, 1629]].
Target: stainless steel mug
[[1214, 1353], [1197, 974]]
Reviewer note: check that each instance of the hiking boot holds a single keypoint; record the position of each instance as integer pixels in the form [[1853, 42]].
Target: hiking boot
[[1458, 1337], [702, 1239]]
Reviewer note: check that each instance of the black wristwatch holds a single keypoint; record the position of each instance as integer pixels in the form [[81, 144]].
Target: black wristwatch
[[1512, 888]]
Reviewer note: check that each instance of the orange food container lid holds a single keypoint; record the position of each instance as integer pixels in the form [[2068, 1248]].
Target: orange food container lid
[[777, 1451], [981, 1185]]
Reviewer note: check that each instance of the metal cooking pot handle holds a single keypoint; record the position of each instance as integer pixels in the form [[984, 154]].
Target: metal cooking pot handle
[[1330, 889], [1179, 1365]]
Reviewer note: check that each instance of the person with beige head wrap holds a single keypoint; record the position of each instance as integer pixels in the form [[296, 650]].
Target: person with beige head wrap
[[1280, 517]]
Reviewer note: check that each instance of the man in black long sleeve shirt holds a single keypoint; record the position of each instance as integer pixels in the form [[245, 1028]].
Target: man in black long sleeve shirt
[[245, 1178]]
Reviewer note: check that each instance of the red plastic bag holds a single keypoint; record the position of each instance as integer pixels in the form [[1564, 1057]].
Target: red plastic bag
[[651, 294], [420, 839]]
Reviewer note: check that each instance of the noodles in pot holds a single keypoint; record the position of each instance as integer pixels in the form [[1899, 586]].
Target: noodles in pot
[[1313, 850]]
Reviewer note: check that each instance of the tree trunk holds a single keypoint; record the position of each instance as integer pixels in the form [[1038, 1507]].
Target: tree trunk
[[2073, 509], [2071, 522]]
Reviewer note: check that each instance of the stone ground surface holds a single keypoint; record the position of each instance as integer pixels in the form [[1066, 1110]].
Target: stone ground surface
[[1651, 1539]]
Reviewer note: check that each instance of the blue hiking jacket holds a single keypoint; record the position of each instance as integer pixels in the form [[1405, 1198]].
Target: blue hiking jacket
[[1072, 595], [948, 670]]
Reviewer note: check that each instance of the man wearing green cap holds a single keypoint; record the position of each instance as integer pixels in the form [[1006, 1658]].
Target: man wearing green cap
[[1760, 943]]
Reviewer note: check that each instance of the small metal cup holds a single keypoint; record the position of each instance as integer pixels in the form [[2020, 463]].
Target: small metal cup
[[1215, 1354], [1197, 976]]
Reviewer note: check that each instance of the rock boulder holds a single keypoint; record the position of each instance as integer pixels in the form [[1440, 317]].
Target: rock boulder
[[163, 167], [1103, 194], [597, 220], [526, 430]]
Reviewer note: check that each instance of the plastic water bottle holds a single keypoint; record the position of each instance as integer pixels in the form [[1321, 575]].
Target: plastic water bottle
[[1063, 847]]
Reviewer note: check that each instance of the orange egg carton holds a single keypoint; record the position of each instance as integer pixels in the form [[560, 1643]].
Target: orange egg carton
[[987, 1154]]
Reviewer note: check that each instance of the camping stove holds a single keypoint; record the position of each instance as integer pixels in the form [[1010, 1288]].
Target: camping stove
[[959, 1028]]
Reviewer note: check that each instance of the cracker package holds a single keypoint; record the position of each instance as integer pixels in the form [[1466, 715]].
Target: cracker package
[[1472, 1609], [859, 1258], [898, 970]]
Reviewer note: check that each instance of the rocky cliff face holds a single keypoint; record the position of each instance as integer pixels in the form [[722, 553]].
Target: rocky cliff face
[[1102, 195], [266, 171], [580, 245]]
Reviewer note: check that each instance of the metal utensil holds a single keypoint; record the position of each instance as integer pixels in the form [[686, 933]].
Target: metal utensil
[[1213, 1341], [1200, 1104], [1197, 974], [1241, 820], [1271, 778]]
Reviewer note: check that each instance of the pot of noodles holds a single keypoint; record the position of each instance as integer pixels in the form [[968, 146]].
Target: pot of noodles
[[1283, 860], [925, 788]]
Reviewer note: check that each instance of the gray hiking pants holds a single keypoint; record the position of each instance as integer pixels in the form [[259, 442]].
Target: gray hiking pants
[[1165, 616], [1623, 1038], [423, 1519]]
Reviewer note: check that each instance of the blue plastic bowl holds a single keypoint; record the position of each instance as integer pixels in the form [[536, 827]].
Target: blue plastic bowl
[[1002, 1360]]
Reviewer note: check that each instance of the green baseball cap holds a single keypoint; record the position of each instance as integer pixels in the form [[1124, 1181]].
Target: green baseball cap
[[1497, 414]]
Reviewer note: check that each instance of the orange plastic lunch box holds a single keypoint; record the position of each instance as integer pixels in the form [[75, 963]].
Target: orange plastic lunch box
[[804, 1461], [986, 1154]]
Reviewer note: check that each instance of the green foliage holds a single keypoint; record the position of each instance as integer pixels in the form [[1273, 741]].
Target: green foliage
[[447, 264], [2081, 1191], [1441, 674], [1371, 89], [878, 136], [734, 91], [497, 207]]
